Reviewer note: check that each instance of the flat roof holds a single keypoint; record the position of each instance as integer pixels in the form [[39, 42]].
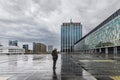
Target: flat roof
[[101, 24], [69, 23], [10, 47]]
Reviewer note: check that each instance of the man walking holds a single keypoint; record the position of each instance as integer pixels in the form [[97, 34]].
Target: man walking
[[55, 57]]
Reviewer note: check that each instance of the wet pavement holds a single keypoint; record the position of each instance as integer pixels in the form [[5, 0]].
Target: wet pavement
[[29, 67], [70, 66], [72, 70], [39, 67], [101, 66]]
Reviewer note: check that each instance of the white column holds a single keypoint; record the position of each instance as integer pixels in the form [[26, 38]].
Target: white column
[[95, 51], [115, 50], [106, 50], [100, 50]]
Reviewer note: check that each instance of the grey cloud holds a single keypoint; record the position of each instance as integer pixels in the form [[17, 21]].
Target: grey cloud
[[29, 8], [48, 5], [26, 34], [14, 7], [28, 21], [95, 11]]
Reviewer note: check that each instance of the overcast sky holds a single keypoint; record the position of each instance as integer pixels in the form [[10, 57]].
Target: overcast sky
[[31, 21]]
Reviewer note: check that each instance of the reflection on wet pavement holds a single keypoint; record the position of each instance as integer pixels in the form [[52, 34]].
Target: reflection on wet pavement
[[28, 67], [100, 66], [74, 67], [54, 75]]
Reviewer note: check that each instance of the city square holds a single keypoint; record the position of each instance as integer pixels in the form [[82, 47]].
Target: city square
[[59, 40]]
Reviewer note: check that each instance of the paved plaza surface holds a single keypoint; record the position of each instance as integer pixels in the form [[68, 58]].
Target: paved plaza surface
[[29, 67], [101, 66], [70, 66]]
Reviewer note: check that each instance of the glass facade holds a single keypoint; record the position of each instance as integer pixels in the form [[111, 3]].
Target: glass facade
[[13, 43], [70, 34], [25, 46], [107, 34]]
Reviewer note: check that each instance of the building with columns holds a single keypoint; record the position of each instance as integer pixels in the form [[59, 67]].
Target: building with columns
[[105, 38]]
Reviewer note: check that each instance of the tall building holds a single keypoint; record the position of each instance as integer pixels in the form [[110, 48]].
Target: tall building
[[39, 47], [13, 43], [25, 46], [105, 38], [50, 48], [70, 33]]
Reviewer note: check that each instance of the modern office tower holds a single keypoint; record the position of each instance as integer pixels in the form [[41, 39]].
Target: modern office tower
[[25, 46], [13, 43], [71, 32], [105, 38], [50, 48], [39, 47]]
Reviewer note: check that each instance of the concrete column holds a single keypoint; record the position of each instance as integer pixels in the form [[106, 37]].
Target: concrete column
[[84, 51], [95, 51], [106, 50], [100, 50], [92, 50], [115, 50], [89, 51]]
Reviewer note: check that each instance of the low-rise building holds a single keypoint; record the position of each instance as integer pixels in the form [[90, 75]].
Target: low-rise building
[[11, 50]]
